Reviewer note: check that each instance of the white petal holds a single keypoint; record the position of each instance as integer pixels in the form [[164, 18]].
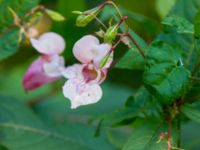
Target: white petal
[[74, 71], [80, 93], [101, 51], [84, 49], [49, 43], [54, 66]]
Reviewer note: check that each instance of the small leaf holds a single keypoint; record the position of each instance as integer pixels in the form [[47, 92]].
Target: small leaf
[[163, 77], [54, 15], [180, 24], [191, 112]]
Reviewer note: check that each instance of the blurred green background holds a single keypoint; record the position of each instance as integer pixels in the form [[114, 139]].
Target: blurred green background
[[48, 103]]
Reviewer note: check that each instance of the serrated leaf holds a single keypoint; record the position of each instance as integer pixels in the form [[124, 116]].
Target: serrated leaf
[[22, 129], [55, 15], [191, 112], [163, 77], [180, 24], [8, 32]]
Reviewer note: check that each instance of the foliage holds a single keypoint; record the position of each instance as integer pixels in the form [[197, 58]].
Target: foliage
[[151, 95]]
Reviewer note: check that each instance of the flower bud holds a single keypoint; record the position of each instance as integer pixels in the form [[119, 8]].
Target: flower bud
[[111, 34], [86, 17]]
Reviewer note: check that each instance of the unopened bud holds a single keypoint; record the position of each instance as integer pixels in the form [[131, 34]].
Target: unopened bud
[[86, 17], [111, 34]]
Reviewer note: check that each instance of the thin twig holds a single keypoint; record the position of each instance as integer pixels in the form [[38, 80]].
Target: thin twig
[[136, 44]]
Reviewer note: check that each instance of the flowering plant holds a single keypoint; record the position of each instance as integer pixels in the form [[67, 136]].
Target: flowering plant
[[159, 76]]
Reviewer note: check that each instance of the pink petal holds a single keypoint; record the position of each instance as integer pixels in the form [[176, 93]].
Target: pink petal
[[35, 76], [85, 48], [80, 93], [101, 51], [49, 43], [54, 66]]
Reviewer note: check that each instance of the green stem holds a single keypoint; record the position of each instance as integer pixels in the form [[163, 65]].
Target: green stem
[[136, 44]]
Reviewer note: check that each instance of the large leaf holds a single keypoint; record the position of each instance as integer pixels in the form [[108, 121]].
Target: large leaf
[[131, 60], [9, 34], [145, 137], [163, 76], [185, 41], [21, 129], [191, 112]]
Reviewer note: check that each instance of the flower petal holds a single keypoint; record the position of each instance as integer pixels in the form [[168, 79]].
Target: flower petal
[[54, 66], [101, 51], [85, 48], [80, 93], [49, 43], [74, 71], [35, 76]]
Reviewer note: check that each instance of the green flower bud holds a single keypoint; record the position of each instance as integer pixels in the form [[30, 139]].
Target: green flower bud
[[86, 17], [111, 33]]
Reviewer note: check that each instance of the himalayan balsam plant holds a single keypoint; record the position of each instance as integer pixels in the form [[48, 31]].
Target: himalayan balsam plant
[[169, 93]]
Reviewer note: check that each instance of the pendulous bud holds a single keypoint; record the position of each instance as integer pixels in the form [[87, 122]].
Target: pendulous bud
[[86, 17]]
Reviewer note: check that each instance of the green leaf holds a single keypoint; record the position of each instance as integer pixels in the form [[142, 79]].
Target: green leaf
[[163, 76], [191, 112], [21, 129], [54, 15], [140, 104], [146, 137], [197, 24], [131, 60], [9, 34], [180, 24]]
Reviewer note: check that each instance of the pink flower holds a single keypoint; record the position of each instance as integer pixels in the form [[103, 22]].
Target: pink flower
[[83, 85], [89, 50], [49, 66], [78, 89]]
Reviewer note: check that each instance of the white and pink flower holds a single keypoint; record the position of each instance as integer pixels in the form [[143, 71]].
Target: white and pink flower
[[49, 66], [83, 84]]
